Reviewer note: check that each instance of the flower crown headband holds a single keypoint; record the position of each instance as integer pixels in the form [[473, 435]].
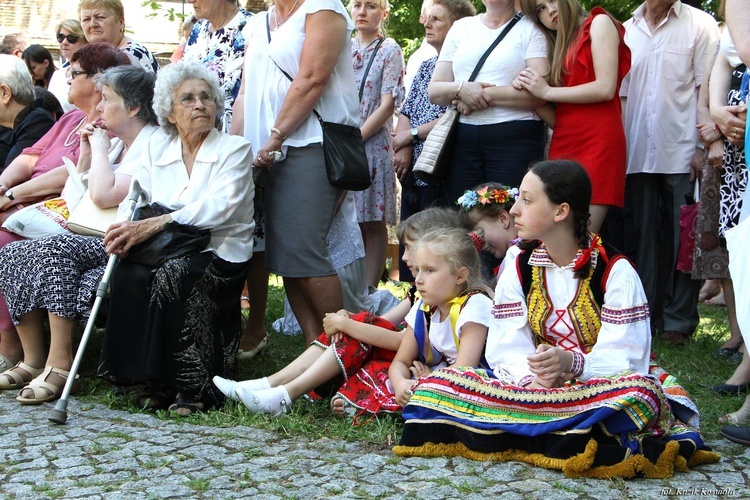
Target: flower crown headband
[[470, 198]]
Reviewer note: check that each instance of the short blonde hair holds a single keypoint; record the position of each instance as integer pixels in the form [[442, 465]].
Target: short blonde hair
[[113, 5]]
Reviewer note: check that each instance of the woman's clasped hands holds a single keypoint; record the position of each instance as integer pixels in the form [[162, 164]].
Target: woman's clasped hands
[[471, 96]]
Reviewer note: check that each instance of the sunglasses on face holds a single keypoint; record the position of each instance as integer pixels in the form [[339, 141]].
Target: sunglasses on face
[[70, 38]]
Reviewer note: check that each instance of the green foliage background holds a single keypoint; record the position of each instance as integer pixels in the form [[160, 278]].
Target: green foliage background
[[403, 22]]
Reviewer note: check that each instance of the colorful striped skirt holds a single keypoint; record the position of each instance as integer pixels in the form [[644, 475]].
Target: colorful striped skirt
[[622, 426]]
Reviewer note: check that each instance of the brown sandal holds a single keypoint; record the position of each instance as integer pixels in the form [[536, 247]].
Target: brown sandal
[[19, 376]]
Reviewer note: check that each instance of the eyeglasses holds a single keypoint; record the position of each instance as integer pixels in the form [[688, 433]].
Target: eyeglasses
[[189, 100], [70, 38], [75, 72]]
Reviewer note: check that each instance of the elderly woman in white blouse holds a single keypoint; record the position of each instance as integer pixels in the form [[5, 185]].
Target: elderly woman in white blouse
[[177, 325]]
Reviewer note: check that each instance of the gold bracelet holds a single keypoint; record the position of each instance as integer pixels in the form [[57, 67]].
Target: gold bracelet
[[459, 88], [278, 132]]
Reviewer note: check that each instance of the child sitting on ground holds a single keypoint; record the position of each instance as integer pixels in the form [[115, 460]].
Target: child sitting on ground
[[448, 325], [353, 353], [485, 210]]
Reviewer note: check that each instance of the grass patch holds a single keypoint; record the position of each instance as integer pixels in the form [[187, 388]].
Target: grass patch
[[200, 485], [693, 365]]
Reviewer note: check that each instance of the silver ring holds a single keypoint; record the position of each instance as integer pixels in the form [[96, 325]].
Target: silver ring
[[409, 392]]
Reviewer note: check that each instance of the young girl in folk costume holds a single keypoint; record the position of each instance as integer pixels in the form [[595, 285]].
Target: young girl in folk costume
[[352, 355], [381, 92], [570, 385], [588, 60], [486, 211], [448, 325]]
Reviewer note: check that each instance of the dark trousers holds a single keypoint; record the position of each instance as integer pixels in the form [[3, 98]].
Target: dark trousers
[[654, 201], [501, 153]]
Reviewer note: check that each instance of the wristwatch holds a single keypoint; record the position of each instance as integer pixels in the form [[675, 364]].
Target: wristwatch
[[415, 133], [9, 194]]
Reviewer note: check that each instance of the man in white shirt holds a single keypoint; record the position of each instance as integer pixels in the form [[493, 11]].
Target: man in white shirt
[[669, 42]]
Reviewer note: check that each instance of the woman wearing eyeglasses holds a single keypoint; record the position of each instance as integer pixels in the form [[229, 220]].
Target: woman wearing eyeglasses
[[177, 324], [69, 35], [38, 172]]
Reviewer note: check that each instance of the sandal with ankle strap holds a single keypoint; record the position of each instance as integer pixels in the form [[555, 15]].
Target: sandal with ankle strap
[[184, 408], [42, 390], [13, 378]]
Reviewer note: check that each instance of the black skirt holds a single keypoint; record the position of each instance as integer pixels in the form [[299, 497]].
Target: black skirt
[[177, 325]]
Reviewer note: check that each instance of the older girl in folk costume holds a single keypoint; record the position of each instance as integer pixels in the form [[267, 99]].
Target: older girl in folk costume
[[352, 354], [486, 211], [381, 93], [588, 60], [569, 349], [448, 325]]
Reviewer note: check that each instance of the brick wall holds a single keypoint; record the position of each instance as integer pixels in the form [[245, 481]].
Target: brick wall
[[37, 20]]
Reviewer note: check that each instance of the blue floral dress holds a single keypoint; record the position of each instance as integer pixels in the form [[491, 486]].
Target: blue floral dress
[[418, 108], [142, 55], [223, 52], [386, 76]]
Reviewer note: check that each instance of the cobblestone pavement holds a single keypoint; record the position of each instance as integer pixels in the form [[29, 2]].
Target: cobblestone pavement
[[103, 453]]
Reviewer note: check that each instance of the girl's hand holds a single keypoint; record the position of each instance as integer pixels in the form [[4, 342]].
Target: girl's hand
[[541, 383], [404, 391], [533, 82], [418, 369], [550, 363], [333, 323], [473, 95], [336, 337]]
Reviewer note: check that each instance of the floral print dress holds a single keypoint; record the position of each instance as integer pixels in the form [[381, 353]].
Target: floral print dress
[[386, 76], [223, 52]]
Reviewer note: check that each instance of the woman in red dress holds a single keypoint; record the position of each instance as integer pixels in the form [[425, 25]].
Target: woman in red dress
[[588, 60]]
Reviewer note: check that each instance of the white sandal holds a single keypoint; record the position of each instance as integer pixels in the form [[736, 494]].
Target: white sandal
[[12, 379], [42, 390]]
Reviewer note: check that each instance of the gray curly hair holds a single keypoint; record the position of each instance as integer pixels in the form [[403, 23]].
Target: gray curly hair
[[172, 77]]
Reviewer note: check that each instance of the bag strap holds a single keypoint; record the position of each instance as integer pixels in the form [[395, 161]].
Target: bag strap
[[487, 53], [268, 32], [369, 65]]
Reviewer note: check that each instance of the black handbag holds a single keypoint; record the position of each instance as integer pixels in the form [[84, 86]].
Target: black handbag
[[174, 241], [437, 151], [346, 162]]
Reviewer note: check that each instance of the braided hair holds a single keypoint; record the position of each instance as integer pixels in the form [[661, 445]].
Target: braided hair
[[566, 181]]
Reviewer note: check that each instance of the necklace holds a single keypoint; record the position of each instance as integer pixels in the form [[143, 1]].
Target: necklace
[[283, 19], [77, 138]]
